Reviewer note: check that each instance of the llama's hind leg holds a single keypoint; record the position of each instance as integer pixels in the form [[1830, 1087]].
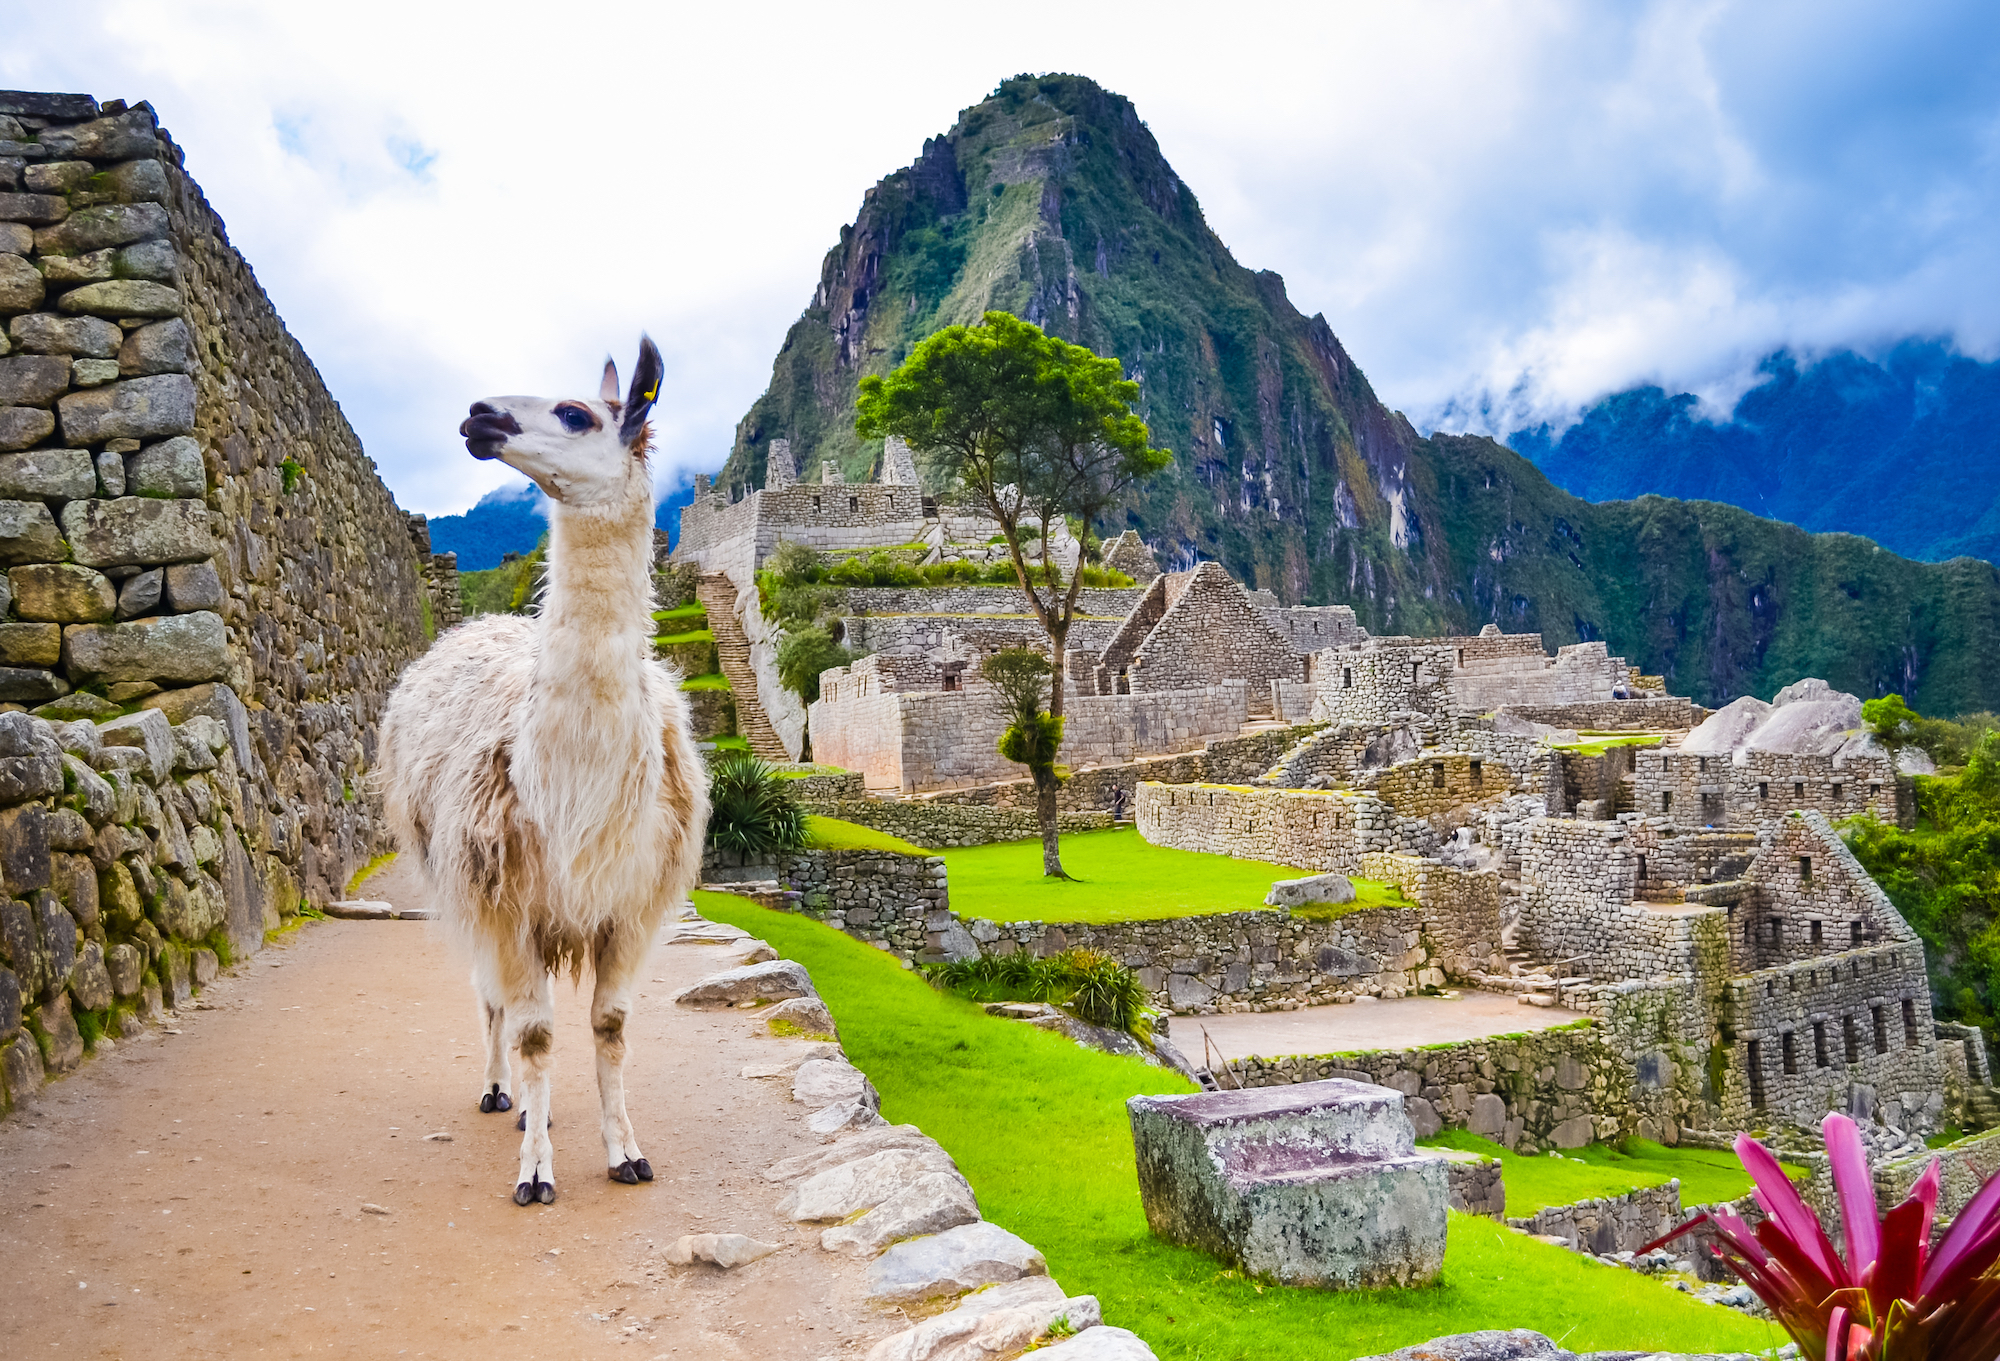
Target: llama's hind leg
[[496, 1088], [531, 1029], [616, 966]]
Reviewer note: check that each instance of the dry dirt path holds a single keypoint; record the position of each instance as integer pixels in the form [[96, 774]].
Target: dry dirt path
[[201, 1193]]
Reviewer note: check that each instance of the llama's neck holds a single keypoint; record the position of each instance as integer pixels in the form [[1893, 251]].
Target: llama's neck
[[597, 605]]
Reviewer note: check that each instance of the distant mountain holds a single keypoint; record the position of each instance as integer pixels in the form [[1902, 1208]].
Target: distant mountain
[[1904, 450], [1051, 200], [513, 520]]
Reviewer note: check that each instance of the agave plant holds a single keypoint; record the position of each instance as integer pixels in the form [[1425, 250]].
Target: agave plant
[[1891, 1298]]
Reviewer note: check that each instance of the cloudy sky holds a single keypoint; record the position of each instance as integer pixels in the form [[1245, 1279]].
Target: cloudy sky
[[1505, 210]]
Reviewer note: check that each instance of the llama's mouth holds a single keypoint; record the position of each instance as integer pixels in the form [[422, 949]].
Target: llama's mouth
[[486, 430]]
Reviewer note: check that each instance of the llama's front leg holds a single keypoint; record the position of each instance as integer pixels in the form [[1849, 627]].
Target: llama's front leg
[[531, 1026], [496, 1092], [617, 963]]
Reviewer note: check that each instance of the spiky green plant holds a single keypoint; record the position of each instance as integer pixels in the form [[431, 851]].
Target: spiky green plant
[[751, 809], [1090, 985]]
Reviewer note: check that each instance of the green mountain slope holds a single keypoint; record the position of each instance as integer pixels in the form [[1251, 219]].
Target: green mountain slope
[[1051, 200]]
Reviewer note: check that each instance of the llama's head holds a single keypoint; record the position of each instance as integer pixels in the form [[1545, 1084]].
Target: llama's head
[[580, 452]]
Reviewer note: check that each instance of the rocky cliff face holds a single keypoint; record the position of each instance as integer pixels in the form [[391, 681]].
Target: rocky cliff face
[[1052, 200]]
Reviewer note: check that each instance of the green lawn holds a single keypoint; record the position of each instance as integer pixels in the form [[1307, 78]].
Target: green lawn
[[1707, 1175], [1038, 1125], [834, 834], [714, 680], [691, 636], [687, 616], [1596, 744], [1119, 877]]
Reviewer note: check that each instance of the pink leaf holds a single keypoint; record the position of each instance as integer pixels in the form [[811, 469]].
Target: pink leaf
[[1856, 1189], [1836, 1334], [1780, 1200], [1967, 1230]]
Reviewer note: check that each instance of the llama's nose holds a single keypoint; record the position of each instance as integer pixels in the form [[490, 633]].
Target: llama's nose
[[486, 430]]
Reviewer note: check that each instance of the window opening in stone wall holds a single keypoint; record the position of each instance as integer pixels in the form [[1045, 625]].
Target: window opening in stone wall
[[1791, 1046], [1816, 933], [1347, 678], [853, 504], [1763, 789], [1854, 939], [1461, 657], [1437, 776], [1777, 931], [1704, 765], [1819, 1043], [1666, 801], [951, 680], [1910, 1038], [1642, 867], [1413, 673], [1754, 1065], [1798, 789], [930, 508], [1852, 1035], [1478, 773], [815, 505], [1881, 1029], [1805, 869], [1308, 669], [1874, 789]]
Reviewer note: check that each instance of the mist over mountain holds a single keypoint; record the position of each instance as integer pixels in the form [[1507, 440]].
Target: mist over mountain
[[1904, 449]]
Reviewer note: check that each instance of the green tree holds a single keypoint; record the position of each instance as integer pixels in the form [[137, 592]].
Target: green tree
[[803, 655], [1035, 429]]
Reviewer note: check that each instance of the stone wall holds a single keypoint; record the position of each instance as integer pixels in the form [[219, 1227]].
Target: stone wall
[[1610, 1224], [1665, 713], [440, 571], [1460, 909], [191, 518], [127, 872], [935, 825], [1443, 788], [902, 902], [1558, 1088], [1317, 830], [1225, 962], [946, 739], [1102, 602], [1211, 632], [1964, 1167], [1715, 791]]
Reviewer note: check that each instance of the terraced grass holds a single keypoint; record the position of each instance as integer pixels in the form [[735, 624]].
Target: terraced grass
[[1706, 1175], [836, 834], [714, 680], [1039, 1127]]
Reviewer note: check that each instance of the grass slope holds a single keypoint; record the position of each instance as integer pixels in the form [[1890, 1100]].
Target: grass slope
[[834, 834], [1038, 1126], [1706, 1175]]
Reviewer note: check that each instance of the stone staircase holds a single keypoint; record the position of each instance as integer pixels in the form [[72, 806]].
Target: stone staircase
[[1982, 1108], [732, 649]]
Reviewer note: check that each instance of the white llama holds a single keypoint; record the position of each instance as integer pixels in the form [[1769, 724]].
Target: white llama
[[539, 770]]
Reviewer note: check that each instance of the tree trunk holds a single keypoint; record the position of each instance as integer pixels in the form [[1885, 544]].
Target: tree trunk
[[1045, 813]]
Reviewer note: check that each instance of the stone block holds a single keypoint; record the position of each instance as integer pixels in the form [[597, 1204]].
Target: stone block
[[1099, 1344], [25, 685], [1316, 888], [136, 408], [140, 595], [21, 1063], [10, 1005], [157, 261], [24, 849], [57, 177], [33, 379], [21, 426], [163, 347], [1488, 1118], [844, 1190], [28, 533], [220, 703], [126, 967], [170, 468], [118, 896], [30, 760], [89, 267], [90, 981], [1000, 1321], [928, 1204], [62, 593], [110, 474], [137, 531], [30, 644], [1313, 1184], [80, 337], [123, 298], [35, 208], [1493, 1344], [103, 226], [65, 1040], [176, 648], [21, 285], [130, 182], [951, 1263], [93, 373], [147, 730], [772, 981]]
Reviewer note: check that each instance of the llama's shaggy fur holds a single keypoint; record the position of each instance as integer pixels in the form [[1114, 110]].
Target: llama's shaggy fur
[[539, 770]]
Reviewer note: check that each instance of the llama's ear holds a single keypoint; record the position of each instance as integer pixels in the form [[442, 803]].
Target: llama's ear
[[607, 391], [645, 388]]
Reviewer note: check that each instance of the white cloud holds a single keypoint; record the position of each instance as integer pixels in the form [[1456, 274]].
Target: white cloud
[[1498, 207]]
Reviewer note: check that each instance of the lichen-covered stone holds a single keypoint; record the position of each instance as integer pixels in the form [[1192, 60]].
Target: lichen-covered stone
[[173, 649], [102, 226], [47, 474], [80, 337], [163, 347], [1316, 1185], [952, 1263], [30, 644], [137, 529], [28, 533], [21, 426], [21, 286], [135, 408], [62, 593], [123, 298], [33, 379], [170, 468]]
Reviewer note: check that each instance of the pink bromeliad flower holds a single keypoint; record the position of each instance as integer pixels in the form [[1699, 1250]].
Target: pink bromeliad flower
[[1891, 1299]]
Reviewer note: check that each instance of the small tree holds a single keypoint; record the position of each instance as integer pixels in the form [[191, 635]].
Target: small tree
[[806, 653], [1036, 429], [1020, 680]]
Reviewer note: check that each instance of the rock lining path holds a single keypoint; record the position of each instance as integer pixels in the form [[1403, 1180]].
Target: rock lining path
[[202, 1193]]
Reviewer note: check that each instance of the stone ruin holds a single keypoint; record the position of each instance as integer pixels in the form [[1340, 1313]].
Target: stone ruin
[[207, 591]]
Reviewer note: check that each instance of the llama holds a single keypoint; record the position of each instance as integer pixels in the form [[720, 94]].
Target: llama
[[539, 770]]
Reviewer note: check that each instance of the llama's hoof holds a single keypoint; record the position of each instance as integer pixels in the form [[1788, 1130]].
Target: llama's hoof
[[643, 1168], [624, 1172], [495, 1100], [521, 1121], [486, 1104], [524, 1193], [545, 1192], [502, 1102]]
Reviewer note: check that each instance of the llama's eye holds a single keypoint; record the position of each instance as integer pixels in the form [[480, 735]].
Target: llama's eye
[[575, 419]]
